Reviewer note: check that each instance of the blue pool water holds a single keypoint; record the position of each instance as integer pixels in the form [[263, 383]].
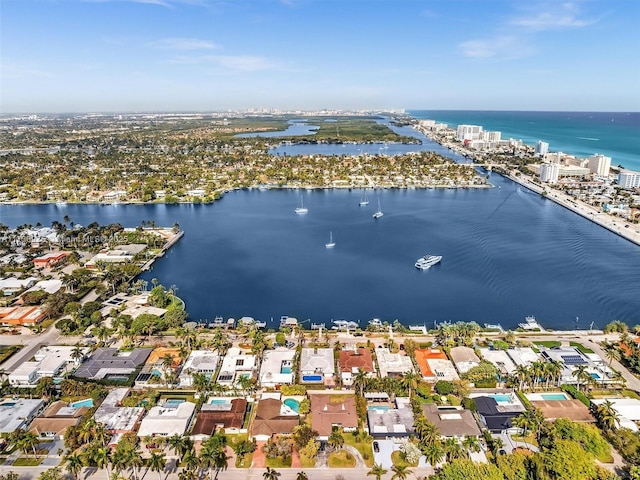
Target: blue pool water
[[156, 372], [500, 397], [83, 403], [553, 396], [595, 375], [285, 370], [293, 404], [378, 407], [312, 378], [217, 401], [173, 402]]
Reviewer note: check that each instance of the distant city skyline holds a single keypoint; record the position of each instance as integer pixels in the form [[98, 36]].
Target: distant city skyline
[[210, 55]]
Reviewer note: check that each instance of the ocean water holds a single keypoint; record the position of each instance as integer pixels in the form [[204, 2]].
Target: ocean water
[[616, 134]]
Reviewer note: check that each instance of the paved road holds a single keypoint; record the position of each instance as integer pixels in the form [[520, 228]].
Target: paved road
[[32, 473]]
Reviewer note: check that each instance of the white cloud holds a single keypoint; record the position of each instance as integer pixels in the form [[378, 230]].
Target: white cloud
[[498, 48], [183, 44], [554, 17]]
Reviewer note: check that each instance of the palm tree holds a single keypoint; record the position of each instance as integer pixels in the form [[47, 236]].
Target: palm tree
[[612, 353], [336, 440], [28, 441], [433, 453], [360, 381], [607, 416], [157, 464], [471, 443], [73, 464], [452, 449], [302, 476], [430, 434], [410, 380], [135, 462], [581, 374], [400, 472], [522, 374], [271, 474], [220, 461], [377, 471], [102, 457]]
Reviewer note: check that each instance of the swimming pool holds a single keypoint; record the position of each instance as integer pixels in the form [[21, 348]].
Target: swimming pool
[[312, 378], [285, 370], [378, 407], [595, 375], [218, 401], [500, 397], [173, 402], [554, 396], [293, 404], [87, 402]]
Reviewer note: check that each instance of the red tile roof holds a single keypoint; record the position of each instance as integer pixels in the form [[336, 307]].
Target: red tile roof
[[362, 360]]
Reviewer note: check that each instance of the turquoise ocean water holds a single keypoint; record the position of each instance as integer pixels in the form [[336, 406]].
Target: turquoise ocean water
[[582, 134]]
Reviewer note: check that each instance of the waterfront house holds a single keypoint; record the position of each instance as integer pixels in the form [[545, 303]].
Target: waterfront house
[[553, 406], [49, 361], [523, 356], [273, 418], [277, 367], [451, 421], [329, 412], [571, 358], [628, 410], [393, 364], [220, 414], [500, 359], [388, 422], [354, 360], [497, 418]]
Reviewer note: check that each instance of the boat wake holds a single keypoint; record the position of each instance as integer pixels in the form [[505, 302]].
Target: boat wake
[[589, 138]]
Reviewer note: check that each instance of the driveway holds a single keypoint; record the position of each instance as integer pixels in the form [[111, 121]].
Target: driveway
[[383, 457]]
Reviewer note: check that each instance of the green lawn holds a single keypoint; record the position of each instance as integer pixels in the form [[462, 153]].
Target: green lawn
[[279, 462], [307, 462], [28, 461], [581, 347], [631, 394], [548, 343], [398, 459], [244, 461], [7, 350], [365, 448], [341, 459]]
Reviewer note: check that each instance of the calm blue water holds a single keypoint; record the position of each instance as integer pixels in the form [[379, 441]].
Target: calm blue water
[[296, 128], [507, 253], [578, 133]]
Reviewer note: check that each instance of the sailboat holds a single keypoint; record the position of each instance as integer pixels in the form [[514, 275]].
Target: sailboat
[[379, 213], [301, 210], [365, 200], [331, 243]]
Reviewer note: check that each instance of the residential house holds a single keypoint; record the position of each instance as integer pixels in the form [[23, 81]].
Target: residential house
[[628, 410], [329, 412], [115, 418], [500, 359], [393, 364], [56, 419], [168, 419], [451, 421], [273, 418], [434, 365], [277, 367], [21, 316], [17, 413], [49, 259], [227, 416], [464, 358], [317, 365], [497, 418], [392, 423], [235, 364], [112, 363], [354, 360], [199, 361]]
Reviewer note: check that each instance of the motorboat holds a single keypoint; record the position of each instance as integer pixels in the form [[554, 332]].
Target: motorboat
[[428, 261]]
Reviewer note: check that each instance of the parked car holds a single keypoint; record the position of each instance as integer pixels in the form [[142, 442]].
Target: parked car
[[376, 447]]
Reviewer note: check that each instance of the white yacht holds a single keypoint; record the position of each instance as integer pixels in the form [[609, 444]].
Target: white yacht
[[379, 213], [428, 261], [301, 210], [530, 323], [331, 243]]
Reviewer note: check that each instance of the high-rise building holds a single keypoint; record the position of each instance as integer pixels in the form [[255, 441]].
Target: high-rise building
[[492, 136], [629, 179], [542, 148], [549, 172], [599, 164], [469, 132]]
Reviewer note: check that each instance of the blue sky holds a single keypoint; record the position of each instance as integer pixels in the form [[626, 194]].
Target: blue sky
[[203, 55]]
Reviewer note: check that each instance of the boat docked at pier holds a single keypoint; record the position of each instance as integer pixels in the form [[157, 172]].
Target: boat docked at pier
[[344, 325], [428, 261], [530, 323]]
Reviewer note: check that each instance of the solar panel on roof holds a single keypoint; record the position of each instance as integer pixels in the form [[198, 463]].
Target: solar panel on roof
[[573, 359]]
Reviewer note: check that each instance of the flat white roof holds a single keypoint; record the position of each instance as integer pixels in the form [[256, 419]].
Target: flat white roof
[[392, 362], [15, 414], [626, 407], [273, 363], [442, 369], [499, 358], [167, 421], [523, 355], [317, 360]]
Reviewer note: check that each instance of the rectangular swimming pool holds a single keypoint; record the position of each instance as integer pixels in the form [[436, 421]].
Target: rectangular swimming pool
[[553, 396], [312, 378], [173, 402], [378, 407], [500, 397], [82, 403]]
